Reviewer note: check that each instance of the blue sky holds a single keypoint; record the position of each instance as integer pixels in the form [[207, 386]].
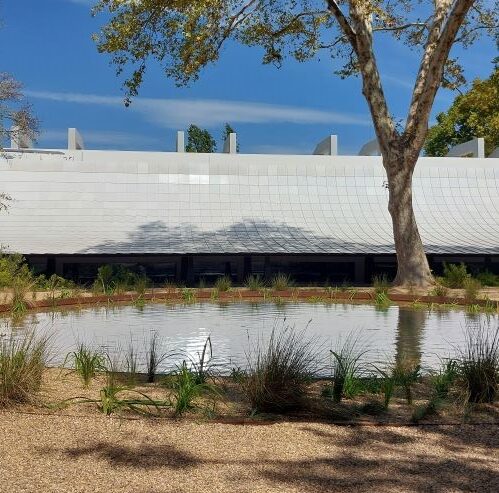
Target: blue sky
[[47, 45]]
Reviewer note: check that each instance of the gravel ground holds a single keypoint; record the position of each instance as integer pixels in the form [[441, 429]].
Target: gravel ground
[[57, 453]]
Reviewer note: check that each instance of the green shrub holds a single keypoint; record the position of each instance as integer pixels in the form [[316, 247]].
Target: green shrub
[[347, 367], [478, 364], [154, 356], [281, 282], [471, 289], [12, 267], [486, 278], [254, 283], [202, 367], [22, 362], [279, 370], [223, 284], [381, 300], [188, 295], [117, 278], [406, 373], [443, 380], [455, 275]]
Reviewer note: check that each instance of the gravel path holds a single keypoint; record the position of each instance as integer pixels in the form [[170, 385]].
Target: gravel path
[[97, 454]]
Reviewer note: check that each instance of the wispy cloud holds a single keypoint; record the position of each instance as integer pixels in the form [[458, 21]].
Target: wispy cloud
[[102, 139], [177, 113]]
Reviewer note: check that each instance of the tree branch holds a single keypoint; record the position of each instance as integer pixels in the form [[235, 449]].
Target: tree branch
[[448, 19]]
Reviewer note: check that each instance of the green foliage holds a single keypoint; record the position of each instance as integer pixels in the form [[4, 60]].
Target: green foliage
[[200, 140], [439, 290], [455, 275], [186, 388], [478, 364], [381, 284], [406, 374], [117, 278], [443, 380], [471, 290], [487, 278], [13, 267], [473, 114], [226, 133], [279, 370], [382, 301], [347, 367], [154, 356], [223, 284], [22, 362], [254, 283], [202, 367], [86, 362], [281, 282]]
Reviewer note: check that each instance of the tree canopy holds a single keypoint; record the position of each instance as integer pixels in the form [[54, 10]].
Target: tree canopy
[[185, 36], [16, 118], [200, 140], [473, 114]]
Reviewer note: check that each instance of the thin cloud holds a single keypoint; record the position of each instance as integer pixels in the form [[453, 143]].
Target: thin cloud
[[177, 113]]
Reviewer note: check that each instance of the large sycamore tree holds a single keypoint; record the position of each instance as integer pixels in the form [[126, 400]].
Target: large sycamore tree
[[186, 35]]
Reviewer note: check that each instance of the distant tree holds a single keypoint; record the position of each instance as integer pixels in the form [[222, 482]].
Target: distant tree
[[226, 132], [16, 118], [473, 114], [200, 140]]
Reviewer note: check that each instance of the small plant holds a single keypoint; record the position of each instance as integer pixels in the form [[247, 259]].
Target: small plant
[[20, 288], [443, 380], [346, 367], [381, 284], [154, 357], [86, 363], [281, 282], [223, 284], [111, 402], [254, 283], [382, 301], [455, 275], [188, 295], [471, 289], [132, 363], [478, 364], [278, 370], [406, 374], [22, 362], [186, 388], [439, 290], [238, 375], [201, 368]]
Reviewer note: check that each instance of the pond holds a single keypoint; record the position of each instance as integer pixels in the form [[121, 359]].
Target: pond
[[402, 332]]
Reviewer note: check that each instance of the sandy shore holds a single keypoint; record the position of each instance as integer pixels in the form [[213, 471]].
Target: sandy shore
[[97, 454]]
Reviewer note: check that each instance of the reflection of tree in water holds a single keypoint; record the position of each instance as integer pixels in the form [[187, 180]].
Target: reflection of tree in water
[[409, 338]]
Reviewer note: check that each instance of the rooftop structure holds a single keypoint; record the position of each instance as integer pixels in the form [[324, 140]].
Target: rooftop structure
[[72, 206]]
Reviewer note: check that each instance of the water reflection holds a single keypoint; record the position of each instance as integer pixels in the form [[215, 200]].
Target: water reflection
[[420, 336]]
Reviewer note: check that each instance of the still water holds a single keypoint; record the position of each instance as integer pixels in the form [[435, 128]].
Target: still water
[[420, 335]]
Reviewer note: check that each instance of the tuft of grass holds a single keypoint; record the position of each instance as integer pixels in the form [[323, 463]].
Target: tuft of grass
[[186, 388], [223, 284], [405, 373], [443, 380], [381, 284], [154, 356], [281, 282], [188, 295], [202, 368], [478, 364], [22, 362], [347, 367], [382, 301], [455, 275], [439, 290], [254, 283], [21, 286], [132, 364], [279, 370], [86, 362], [487, 278]]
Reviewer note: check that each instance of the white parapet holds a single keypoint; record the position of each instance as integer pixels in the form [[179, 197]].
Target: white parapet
[[327, 147], [370, 148], [473, 148], [75, 140], [180, 143], [230, 144], [19, 139]]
